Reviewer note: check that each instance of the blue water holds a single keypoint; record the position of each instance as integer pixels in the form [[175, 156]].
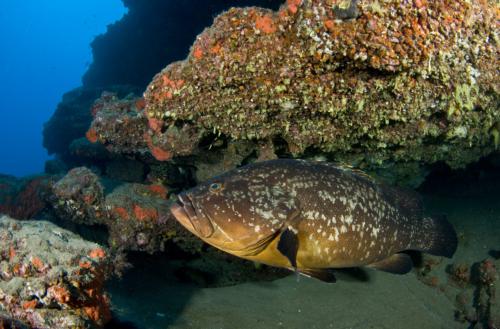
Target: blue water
[[44, 52]]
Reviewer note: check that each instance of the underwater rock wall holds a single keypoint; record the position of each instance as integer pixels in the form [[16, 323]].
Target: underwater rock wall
[[385, 87], [374, 83]]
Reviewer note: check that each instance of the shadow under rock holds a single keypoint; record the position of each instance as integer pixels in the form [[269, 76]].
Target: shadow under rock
[[149, 295]]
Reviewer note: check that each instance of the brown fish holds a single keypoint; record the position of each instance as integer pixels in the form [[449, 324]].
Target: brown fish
[[312, 217]]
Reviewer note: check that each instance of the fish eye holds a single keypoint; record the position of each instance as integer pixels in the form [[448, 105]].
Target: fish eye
[[215, 187]]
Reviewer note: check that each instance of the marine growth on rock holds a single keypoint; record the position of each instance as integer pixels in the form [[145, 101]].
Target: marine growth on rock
[[369, 81]]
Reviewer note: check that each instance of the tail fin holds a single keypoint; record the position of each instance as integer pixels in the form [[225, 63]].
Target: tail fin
[[437, 237]]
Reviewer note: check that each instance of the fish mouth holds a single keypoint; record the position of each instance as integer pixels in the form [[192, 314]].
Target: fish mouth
[[194, 219], [181, 211], [196, 222]]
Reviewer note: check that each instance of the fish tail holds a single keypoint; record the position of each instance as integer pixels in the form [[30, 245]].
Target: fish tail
[[437, 237]]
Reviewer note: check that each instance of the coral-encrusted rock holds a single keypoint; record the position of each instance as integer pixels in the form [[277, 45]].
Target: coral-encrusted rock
[[220, 160], [118, 124], [6, 322], [137, 216], [486, 294], [73, 116], [83, 149], [129, 54], [9, 187], [23, 198], [80, 195], [385, 81], [476, 300], [141, 218], [51, 278]]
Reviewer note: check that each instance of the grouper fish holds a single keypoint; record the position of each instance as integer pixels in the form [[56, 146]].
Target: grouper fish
[[312, 217]]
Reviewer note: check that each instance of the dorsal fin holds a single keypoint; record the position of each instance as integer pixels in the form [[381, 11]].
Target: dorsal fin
[[352, 170], [405, 199]]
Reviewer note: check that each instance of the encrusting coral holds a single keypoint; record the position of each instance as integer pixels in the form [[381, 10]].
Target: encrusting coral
[[23, 198], [371, 81], [50, 277], [137, 216], [118, 124]]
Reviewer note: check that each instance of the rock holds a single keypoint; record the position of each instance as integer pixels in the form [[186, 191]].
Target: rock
[[70, 120], [126, 170], [55, 166], [141, 218], [118, 124], [6, 322], [390, 85], [23, 198], [50, 277], [73, 116], [146, 39], [79, 197], [89, 152], [137, 216]]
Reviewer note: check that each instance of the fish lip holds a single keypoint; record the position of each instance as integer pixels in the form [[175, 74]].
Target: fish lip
[[186, 201], [181, 216], [182, 210], [186, 212]]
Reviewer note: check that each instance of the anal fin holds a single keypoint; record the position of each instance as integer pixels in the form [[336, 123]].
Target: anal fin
[[396, 264], [323, 274]]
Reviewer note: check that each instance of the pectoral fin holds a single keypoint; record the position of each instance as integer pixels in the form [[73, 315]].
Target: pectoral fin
[[396, 264], [323, 274], [288, 246]]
